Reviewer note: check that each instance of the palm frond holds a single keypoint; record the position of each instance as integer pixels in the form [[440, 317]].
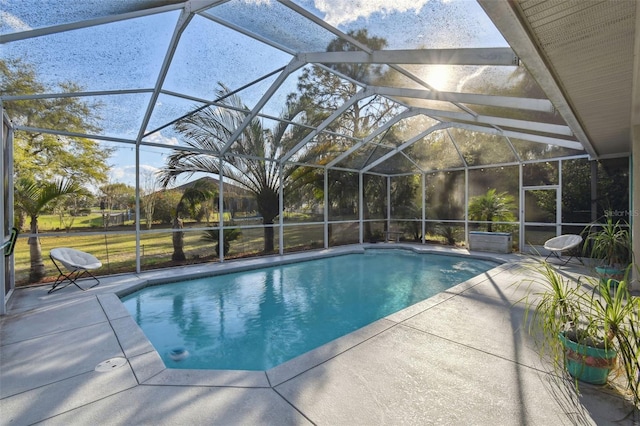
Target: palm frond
[[32, 197]]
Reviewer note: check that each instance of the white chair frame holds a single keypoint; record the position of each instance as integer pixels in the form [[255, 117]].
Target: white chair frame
[[77, 263], [557, 245]]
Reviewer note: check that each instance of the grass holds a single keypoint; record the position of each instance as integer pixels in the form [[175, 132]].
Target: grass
[[51, 222], [92, 221], [117, 251]]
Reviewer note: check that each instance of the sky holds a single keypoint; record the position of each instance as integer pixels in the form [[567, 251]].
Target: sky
[[209, 53]]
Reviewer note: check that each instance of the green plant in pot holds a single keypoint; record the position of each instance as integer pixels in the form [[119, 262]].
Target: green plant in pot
[[589, 327], [492, 206], [609, 242]]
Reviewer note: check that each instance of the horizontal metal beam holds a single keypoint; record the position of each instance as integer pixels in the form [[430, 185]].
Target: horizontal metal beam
[[520, 135], [479, 56], [31, 129], [75, 94], [38, 32], [533, 126], [511, 134], [530, 104]]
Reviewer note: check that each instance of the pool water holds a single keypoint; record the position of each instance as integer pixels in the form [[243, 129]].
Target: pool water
[[257, 319]]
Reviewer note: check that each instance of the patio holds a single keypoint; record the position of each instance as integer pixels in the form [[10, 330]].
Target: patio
[[460, 357], [224, 129]]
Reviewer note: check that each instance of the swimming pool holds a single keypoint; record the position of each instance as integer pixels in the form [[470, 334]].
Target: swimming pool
[[257, 319]]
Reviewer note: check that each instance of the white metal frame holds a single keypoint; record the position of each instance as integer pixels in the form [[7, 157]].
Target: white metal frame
[[570, 136], [7, 271]]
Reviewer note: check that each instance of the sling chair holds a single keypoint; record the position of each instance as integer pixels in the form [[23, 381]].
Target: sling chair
[[562, 243], [77, 264]]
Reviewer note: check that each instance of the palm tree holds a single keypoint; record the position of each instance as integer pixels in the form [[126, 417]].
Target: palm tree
[[213, 236], [31, 199], [190, 204], [246, 162], [492, 206]]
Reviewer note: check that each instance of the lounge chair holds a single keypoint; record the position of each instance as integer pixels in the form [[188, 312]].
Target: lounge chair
[[77, 263], [566, 242]]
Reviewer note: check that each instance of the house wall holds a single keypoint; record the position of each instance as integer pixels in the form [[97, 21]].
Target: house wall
[[635, 157]]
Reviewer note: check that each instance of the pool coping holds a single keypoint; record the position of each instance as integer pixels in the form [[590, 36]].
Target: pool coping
[[149, 368]]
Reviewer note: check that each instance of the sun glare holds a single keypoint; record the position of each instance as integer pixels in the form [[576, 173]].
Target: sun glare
[[437, 76]]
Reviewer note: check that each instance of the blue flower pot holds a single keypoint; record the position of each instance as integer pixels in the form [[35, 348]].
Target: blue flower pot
[[609, 273], [586, 363]]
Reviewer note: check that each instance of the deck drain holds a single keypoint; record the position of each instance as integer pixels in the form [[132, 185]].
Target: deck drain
[[110, 364]]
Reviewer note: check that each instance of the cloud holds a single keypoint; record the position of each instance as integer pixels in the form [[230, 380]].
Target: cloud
[[127, 174], [159, 138], [116, 174], [342, 12], [146, 168], [13, 22]]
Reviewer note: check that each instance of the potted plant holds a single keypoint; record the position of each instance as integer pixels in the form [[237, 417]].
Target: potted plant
[[489, 207], [587, 332], [611, 244], [492, 206]]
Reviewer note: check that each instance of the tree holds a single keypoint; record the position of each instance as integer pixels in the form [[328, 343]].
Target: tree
[[33, 198], [165, 206], [43, 156], [492, 206], [246, 162], [149, 194], [326, 91], [177, 238], [323, 92], [118, 195], [189, 205], [406, 203], [197, 199], [213, 236]]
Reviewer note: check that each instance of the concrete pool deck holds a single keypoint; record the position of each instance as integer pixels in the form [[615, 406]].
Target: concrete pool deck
[[460, 357]]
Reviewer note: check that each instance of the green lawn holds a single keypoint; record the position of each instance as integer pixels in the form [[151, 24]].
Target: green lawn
[[117, 251], [93, 221], [52, 222]]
